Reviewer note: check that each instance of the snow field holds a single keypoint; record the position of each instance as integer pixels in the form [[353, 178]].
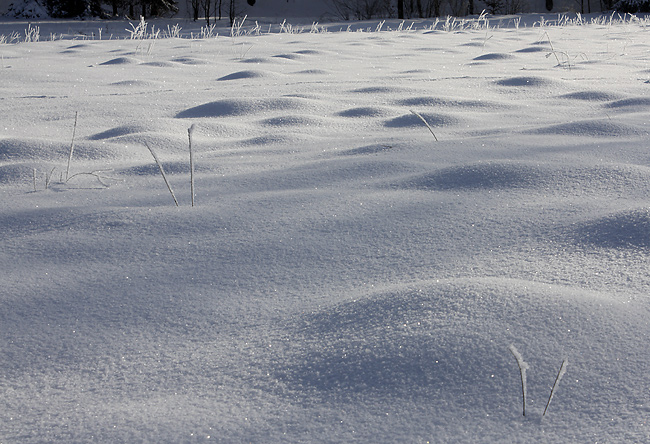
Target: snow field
[[344, 277]]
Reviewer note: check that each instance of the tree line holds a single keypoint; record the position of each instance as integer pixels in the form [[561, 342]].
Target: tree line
[[141, 8], [402, 9], [344, 9], [406, 9]]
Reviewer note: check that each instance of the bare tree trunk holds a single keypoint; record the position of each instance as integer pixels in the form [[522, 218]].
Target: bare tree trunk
[[207, 10], [194, 4], [400, 9]]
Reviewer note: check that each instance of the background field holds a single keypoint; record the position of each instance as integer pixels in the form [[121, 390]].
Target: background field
[[343, 277]]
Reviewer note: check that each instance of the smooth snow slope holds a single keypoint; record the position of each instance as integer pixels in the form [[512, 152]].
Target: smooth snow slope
[[343, 277]]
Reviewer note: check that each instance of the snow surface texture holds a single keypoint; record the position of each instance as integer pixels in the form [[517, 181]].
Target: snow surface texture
[[343, 277]]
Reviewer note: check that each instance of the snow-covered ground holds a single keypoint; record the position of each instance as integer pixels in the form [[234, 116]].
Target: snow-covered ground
[[343, 276]]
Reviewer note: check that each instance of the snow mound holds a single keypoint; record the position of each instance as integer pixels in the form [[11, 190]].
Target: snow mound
[[530, 49], [137, 84], [626, 229], [151, 169], [547, 178], [190, 61], [239, 107], [450, 103], [173, 142], [365, 111], [21, 149], [119, 131], [640, 103], [379, 90], [290, 56], [413, 121], [314, 52], [315, 72], [296, 121], [163, 133], [368, 149], [494, 56], [159, 64], [17, 172], [247, 74], [591, 128], [600, 179], [486, 176], [447, 341], [261, 60], [339, 171], [264, 141], [525, 81], [591, 96], [121, 61]]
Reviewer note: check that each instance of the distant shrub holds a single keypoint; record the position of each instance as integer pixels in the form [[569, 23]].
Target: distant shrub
[[498, 7], [361, 9], [29, 9], [32, 9], [65, 8], [632, 6]]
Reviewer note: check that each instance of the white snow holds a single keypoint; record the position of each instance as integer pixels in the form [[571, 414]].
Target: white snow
[[343, 277]]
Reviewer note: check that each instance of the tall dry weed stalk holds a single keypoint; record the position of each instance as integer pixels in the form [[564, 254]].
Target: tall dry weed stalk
[[190, 130], [162, 172]]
